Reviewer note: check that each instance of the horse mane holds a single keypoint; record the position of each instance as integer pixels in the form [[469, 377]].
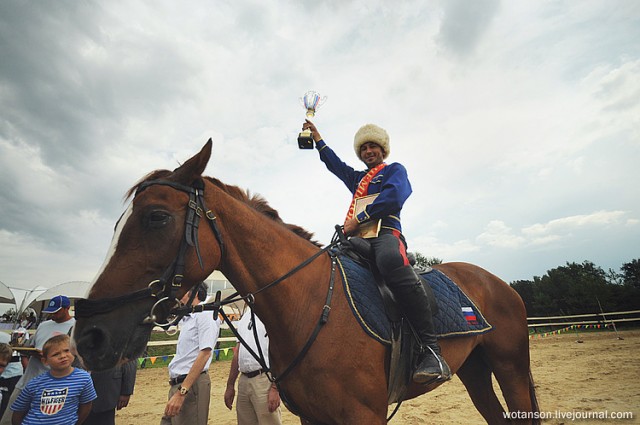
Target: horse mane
[[255, 201]]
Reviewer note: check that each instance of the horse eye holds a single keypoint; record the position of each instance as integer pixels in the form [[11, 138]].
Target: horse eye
[[158, 219]]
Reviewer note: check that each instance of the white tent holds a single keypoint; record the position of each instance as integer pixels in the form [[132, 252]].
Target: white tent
[[73, 290], [6, 296]]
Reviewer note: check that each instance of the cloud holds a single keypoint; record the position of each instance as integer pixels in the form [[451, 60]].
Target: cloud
[[464, 23], [499, 235], [566, 225], [504, 113]]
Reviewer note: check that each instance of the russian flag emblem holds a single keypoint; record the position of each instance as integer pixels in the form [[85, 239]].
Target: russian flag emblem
[[469, 316]]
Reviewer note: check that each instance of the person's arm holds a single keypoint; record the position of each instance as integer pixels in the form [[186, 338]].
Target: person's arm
[[83, 411], [273, 398], [17, 417], [230, 392], [174, 405], [129, 370], [339, 168]]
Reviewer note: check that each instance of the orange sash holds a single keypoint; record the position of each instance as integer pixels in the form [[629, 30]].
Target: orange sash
[[363, 187]]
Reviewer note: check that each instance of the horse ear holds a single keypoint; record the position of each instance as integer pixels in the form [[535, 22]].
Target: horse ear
[[194, 167]]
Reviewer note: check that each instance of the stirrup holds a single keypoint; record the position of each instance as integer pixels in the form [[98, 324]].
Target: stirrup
[[444, 372]]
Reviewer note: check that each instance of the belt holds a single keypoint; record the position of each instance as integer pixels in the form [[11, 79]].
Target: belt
[[180, 379], [253, 374]]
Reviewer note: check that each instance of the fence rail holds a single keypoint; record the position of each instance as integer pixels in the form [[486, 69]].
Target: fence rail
[[597, 318], [175, 341]]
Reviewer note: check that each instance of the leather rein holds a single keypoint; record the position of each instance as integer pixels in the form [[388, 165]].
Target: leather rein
[[165, 288]]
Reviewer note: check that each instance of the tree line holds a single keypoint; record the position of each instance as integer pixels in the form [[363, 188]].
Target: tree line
[[575, 288], [581, 289]]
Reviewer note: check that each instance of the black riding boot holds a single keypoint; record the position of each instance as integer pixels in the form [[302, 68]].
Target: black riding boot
[[412, 297]]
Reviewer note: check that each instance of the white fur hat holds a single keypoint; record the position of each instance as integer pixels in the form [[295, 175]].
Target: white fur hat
[[372, 133]]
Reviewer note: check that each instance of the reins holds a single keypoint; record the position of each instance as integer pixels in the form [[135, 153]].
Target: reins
[[165, 288], [217, 305]]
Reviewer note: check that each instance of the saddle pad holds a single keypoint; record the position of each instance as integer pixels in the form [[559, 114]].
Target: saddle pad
[[457, 315]]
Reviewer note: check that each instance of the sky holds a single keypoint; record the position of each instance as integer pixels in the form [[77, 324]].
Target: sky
[[518, 121]]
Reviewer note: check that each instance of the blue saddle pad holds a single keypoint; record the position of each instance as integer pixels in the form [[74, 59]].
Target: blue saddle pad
[[457, 315]]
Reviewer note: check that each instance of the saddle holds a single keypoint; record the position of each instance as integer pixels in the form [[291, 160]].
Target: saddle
[[404, 344], [376, 310]]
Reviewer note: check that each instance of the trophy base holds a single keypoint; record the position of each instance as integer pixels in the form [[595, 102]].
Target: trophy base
[[305, 140]]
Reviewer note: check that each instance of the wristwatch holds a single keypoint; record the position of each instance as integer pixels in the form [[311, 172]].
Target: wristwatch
[[183, 390]]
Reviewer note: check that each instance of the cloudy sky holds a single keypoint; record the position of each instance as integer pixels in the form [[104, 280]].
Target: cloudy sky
[[518, 121]]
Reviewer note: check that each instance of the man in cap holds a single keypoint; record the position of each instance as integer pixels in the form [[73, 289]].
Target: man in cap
[[60, 322], [390, 185]]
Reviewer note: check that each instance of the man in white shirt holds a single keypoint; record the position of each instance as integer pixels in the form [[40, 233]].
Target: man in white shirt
[[258, 399], [190, 384], [60, 322]]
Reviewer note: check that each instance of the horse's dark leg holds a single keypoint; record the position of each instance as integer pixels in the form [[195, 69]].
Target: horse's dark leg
[[475, 374], [513, 375], [508, 355]]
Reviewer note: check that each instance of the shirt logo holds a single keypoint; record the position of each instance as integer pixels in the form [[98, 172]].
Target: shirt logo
[[377, 179], [52, 401]]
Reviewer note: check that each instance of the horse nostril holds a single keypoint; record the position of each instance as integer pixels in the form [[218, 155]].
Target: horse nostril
[[93, 338]]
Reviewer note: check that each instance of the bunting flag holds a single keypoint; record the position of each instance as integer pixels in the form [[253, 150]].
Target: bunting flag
[[568, 328], [166, 358]]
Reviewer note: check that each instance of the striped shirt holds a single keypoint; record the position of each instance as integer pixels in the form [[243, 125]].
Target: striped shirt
[[51, 400]]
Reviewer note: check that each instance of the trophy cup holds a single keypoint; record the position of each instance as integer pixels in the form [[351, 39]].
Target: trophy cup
[[311, 102]]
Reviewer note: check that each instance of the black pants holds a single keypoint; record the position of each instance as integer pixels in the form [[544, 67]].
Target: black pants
[[390, 250], [108, 417]]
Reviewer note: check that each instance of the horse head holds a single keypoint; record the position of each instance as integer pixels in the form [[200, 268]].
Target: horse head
[[158, 253]]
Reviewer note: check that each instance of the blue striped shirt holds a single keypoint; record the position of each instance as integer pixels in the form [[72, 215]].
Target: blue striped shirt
[[54, 401]]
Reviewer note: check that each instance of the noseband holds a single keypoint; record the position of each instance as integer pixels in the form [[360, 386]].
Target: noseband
[[164, 290]]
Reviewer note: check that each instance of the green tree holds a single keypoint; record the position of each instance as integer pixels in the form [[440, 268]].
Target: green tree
[[525, 288], [425, 262], [572, 289], [631, 273]]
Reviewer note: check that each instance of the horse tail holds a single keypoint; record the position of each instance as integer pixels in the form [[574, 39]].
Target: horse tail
[[535, 407]]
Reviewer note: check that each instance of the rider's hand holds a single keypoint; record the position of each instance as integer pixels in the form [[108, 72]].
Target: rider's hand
[[314, 131], [351, 226]]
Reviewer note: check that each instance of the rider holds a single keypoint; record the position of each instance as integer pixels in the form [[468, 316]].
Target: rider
[[390, 182]]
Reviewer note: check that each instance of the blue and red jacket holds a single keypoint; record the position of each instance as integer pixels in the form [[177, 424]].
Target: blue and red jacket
[[392, 184]]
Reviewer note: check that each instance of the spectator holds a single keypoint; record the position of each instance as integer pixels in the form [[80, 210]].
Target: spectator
[[114, 388], [61, 322], [190, 384], [11, 374], [5, 359], [258, 398], [62, 395]]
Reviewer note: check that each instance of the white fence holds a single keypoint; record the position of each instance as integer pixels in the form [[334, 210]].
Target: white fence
[[585, 319]]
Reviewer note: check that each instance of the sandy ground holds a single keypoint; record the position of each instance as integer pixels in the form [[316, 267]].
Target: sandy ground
[[601, 374]]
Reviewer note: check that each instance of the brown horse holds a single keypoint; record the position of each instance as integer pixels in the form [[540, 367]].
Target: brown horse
[[342, 378]]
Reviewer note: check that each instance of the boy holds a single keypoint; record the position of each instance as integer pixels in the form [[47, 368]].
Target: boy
[[63, 395], [6, 353]]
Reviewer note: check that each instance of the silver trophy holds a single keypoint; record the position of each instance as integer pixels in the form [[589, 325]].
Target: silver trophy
[[311, 101]]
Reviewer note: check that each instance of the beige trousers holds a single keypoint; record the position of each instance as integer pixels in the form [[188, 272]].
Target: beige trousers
[[195, 409], [251, 405]]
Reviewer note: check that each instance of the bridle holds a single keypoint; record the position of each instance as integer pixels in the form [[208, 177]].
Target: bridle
[[164, 289]]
